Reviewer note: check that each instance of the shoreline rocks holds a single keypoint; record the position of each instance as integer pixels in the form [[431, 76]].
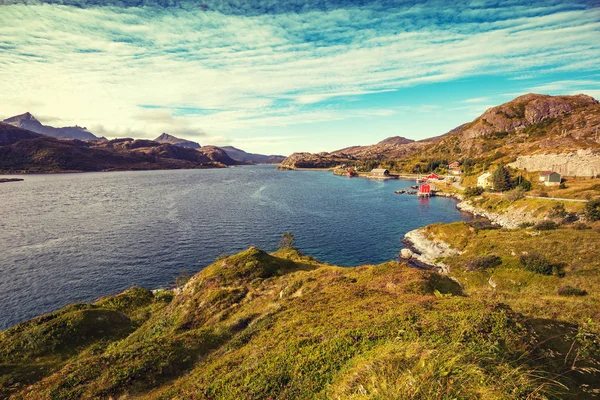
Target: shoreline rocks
[[510, 220], [428, 251]]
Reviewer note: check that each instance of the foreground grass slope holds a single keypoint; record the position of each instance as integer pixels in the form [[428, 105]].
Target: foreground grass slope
[[266, 326]]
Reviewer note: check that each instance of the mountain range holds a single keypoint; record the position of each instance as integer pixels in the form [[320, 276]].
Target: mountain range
[[26, 145], [29, 122], [242, 156], [527, 125]]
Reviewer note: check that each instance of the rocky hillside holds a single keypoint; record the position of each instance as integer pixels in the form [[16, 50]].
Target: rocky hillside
[[29, 122], [10, 134], [529, 124], [319, 160], [169, 139], [283, 326], [251, 158], [45, 154]]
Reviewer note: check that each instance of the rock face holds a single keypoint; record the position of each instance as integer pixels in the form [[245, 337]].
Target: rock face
[[585, 162], [407, 254], [242, 156], [29, 122], [524, 111], [170, 139], [429, 251]]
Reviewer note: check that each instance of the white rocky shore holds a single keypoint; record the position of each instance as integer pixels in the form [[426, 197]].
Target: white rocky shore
[[510, 219], [426, 250]]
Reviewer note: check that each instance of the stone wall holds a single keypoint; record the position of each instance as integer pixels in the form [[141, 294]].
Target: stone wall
[[581, 163]]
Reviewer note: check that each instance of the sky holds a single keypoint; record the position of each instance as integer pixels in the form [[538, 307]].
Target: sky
[[277, 77]]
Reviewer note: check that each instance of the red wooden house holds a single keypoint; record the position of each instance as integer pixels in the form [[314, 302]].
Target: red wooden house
[[424, 190]]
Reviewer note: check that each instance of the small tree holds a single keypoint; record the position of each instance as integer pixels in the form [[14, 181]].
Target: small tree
[[523, 183], [592, 210], [287, 241], [501, 179]]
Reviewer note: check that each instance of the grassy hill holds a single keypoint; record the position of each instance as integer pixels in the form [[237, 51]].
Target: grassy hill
[[284, 326]]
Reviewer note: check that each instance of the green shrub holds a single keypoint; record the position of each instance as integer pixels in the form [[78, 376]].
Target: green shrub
[[524, 184], [287, 241], [546, 226], [569, 218], [524, 225], [481, 263], [515, 195], [536, 263], [482, 224], [580, 226], [558, 211], [182, 278], [474, 191], [571, 291], [592, 210]]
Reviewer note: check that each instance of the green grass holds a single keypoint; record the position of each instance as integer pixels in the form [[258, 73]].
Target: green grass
[[284, 326]]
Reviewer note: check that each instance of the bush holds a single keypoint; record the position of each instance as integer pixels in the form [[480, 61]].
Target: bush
[[569, 218], [524, 184], [182, 278], [481, 263], [571, 291], [524, 225], [474, 191], [287, 241], [515, 195], [558, 211], [482, 224], [546, 226], [536, 263], [592, 210], [543, 194], [580, 226]]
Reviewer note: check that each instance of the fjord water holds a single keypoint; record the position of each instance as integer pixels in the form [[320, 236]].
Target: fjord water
[[68, 238]]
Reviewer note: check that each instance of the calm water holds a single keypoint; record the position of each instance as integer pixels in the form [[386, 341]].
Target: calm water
[[75, 237]]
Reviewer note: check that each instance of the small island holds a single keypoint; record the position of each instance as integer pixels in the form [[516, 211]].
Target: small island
[[5, 180]]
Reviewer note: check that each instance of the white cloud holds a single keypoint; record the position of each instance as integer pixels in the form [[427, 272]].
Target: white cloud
[[95, 66]]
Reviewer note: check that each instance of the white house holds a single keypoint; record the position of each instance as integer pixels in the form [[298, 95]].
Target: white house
[[550, 178], [485, 180]]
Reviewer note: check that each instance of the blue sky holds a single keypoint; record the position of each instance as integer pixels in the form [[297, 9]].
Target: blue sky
[[277, 77]]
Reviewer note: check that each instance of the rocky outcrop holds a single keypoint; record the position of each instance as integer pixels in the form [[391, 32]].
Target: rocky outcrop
[[319, 160], [511, 219], [524, 111], [170, 139], [429, 251], [585, 162]]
